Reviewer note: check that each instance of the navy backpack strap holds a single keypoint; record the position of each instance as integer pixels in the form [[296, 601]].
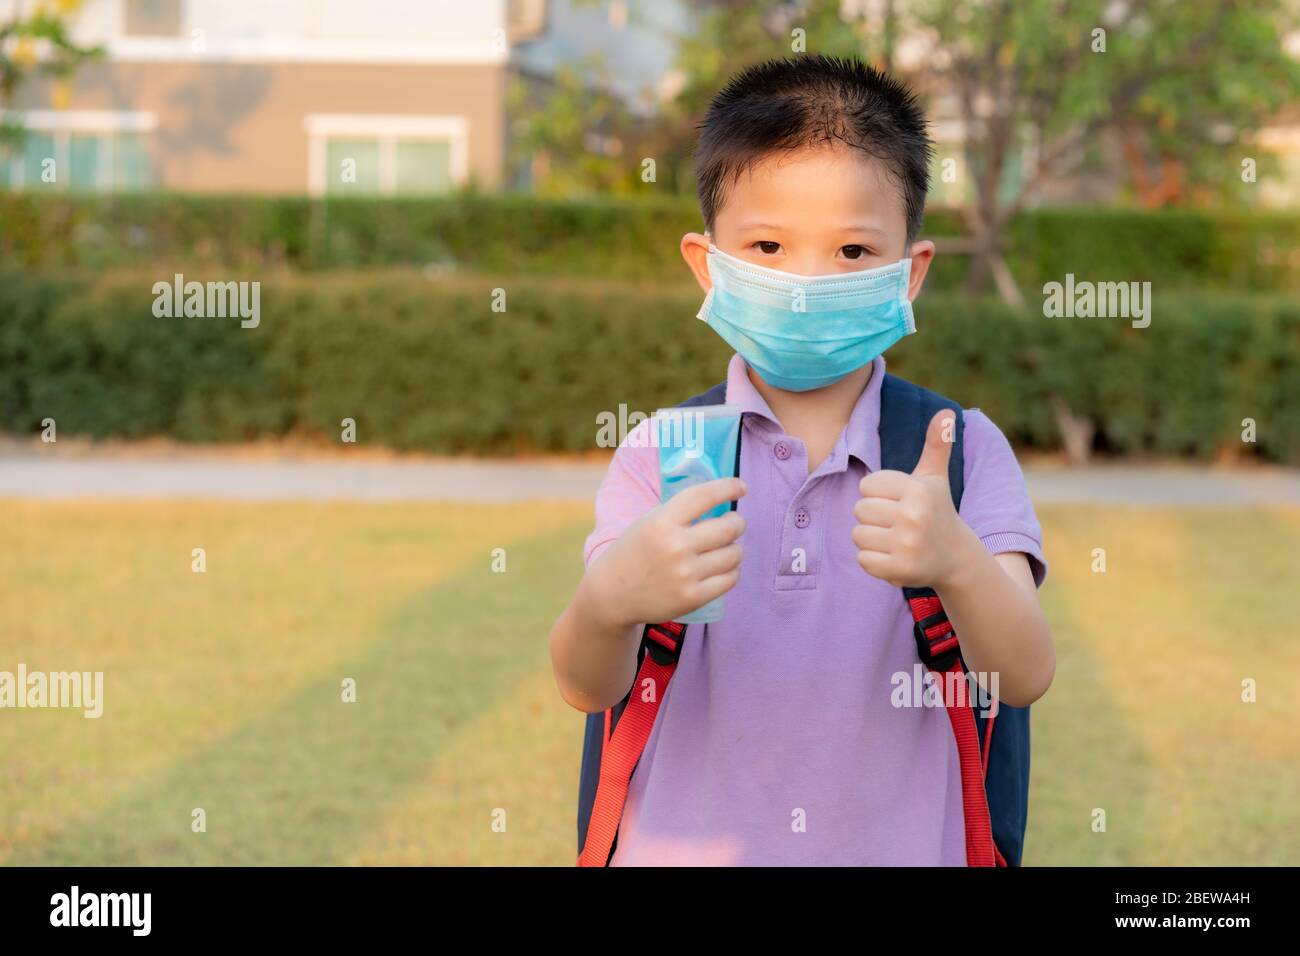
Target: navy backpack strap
[[905, 413], [995, 766], [609, 756], [717, 395], [622, 741], [1006, 777]]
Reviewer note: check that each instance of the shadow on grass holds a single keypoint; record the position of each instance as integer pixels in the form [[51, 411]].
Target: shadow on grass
[[1084, 757], [306, 783], [309, 782]]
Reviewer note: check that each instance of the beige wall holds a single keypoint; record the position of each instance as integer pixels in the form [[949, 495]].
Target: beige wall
[[238, 127]]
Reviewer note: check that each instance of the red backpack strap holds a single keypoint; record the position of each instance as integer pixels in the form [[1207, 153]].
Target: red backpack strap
[[621, 750], [936, 645]]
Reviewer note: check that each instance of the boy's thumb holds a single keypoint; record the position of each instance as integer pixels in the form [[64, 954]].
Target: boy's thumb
[[938, 445]]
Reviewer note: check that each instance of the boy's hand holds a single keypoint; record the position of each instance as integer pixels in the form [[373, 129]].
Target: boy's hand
[[663, 566], [908, 532]]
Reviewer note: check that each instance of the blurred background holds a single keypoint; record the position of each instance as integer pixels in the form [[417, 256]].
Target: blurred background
[[462, 222]]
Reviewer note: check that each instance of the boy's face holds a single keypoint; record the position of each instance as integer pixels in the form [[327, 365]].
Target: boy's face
[[815, 211]]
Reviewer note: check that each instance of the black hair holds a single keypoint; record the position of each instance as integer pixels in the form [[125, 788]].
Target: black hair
[[804, 101]]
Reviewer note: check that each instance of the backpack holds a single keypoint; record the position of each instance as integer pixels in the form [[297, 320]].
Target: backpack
[[994, 766]]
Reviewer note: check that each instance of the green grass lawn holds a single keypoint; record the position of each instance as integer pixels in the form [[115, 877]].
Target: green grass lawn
[[223, 689]]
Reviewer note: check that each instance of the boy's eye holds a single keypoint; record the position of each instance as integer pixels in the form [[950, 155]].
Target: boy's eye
[[768, 248], [854, 252]]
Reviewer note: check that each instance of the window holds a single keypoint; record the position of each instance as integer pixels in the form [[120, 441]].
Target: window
[[352, 167], [423, 168], [152, 18], [132, 164], [388, 167], [386, 156], [87, 151]]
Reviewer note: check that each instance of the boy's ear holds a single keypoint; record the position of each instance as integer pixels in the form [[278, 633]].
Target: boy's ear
[[922, 254], [695, 250]]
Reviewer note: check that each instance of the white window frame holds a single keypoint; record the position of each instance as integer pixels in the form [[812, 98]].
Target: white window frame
[[61, 124], [388, 131], [194, 47]]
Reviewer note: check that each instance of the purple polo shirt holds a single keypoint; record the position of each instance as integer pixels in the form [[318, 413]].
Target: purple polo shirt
[[777, 742]]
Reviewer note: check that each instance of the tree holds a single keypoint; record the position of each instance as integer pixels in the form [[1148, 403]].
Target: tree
[[1180, 85], [1178, 80], [1184, 138], [574, 136], [36, 44]]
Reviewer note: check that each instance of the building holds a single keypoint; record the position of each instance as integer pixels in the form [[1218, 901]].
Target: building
[[382, 97], [409, 97]]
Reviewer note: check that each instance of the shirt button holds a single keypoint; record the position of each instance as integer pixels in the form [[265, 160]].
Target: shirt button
[[802, 518], [782, 450]]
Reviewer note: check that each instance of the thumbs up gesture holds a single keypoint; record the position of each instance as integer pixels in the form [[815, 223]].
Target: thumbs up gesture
[[908, 531]]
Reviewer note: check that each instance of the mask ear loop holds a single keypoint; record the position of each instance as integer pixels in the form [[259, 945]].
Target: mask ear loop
[[706, 308]]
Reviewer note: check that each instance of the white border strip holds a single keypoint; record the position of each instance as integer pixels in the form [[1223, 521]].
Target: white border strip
[[86, 121], [196, 48]]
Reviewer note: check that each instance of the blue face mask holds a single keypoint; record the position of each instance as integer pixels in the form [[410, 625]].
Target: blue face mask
[[804, 332]]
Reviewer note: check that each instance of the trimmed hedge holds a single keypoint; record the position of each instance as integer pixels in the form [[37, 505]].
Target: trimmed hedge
[[612, 238], [427, 364]]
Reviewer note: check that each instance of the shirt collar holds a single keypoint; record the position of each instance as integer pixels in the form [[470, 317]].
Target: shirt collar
[[861, 436]]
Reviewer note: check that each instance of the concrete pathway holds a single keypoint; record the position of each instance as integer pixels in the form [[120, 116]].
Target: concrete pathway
[[29, 472]]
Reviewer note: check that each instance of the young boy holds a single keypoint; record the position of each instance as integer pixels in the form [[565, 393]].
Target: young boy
[[776, 741]]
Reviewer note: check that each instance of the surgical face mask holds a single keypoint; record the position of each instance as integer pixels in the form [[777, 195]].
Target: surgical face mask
[[805, 332]]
